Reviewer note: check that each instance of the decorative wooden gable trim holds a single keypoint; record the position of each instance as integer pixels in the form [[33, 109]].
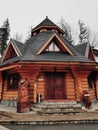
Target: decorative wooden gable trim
[[11, 51], [60, 44]]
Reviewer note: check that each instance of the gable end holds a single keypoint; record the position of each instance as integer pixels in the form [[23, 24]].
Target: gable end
[[59, 44], [11, 51]]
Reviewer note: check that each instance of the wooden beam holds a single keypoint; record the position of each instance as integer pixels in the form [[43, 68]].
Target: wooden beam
[[8, 67], [40, 63]]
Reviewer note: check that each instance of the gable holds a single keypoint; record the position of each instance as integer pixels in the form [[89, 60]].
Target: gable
[[54, 43], [11, 51]]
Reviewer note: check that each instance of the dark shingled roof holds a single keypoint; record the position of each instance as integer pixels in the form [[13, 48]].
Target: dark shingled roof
[[33, 44], [81, 48], [29, 50], [36, 42], [11, 60], [47, 23], [55, 56], [71, 47], [20, 45]]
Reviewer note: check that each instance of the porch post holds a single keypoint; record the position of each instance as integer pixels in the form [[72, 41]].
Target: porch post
[[77, 85], [35, 91]]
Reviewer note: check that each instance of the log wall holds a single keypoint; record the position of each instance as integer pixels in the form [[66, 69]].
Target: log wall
[[8, 94], [97, 86], [70, 86], [41, 85], [75, 83], [83, 84], [0, 86]]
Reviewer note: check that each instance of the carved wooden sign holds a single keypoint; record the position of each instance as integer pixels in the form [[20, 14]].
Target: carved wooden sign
[[23, 104]]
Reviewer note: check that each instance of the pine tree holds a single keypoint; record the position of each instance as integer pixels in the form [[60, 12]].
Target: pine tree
[[4, 36], [84, 32], [67, 30]]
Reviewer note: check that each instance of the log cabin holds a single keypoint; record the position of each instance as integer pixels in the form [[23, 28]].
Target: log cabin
[[55, 69]]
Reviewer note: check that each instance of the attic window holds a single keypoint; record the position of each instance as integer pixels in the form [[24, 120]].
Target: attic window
[[52, 47]]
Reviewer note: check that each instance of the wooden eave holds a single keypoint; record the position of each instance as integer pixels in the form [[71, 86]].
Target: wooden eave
[[48, 42], [7, 67], [49, 64], [65, 64], [17, 51], [52, 27]]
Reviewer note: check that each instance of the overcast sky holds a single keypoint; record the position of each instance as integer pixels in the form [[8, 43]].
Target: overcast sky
[[23, 14]]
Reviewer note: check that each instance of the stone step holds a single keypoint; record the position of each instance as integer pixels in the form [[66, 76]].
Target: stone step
[[59, 111], [9, 103], [68, 104], [54, 106], [57, 107]]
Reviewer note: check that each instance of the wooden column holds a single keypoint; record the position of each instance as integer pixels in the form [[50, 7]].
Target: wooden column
[[77, 85], [35, 91], [30, 73]]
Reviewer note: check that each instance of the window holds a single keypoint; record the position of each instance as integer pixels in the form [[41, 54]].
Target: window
[[92, 79], [13, 81], [53, 47]]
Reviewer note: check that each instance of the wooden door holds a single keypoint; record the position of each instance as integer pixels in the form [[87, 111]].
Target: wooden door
[[55, 86]]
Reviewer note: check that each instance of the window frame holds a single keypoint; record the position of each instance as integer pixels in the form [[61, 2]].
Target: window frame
[[13, 81], [53, 48]]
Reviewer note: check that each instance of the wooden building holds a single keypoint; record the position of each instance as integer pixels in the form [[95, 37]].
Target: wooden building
[[55, 68]]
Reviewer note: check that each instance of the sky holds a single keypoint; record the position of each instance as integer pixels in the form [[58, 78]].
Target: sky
[[23, 14]]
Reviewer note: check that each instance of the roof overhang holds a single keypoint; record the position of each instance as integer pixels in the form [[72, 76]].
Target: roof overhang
[[7, 67]]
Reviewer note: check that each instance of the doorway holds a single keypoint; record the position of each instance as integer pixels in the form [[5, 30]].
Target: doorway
[[55, 85]]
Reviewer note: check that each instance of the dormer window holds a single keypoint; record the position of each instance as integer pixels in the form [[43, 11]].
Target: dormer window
[[52, 47]]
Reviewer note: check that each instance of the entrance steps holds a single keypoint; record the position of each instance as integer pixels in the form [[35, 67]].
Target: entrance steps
[[51, 107], [9, 103]]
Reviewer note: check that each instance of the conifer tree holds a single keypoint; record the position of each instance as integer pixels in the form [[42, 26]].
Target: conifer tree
[[67, 30], [84, 34], [4, 35]]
